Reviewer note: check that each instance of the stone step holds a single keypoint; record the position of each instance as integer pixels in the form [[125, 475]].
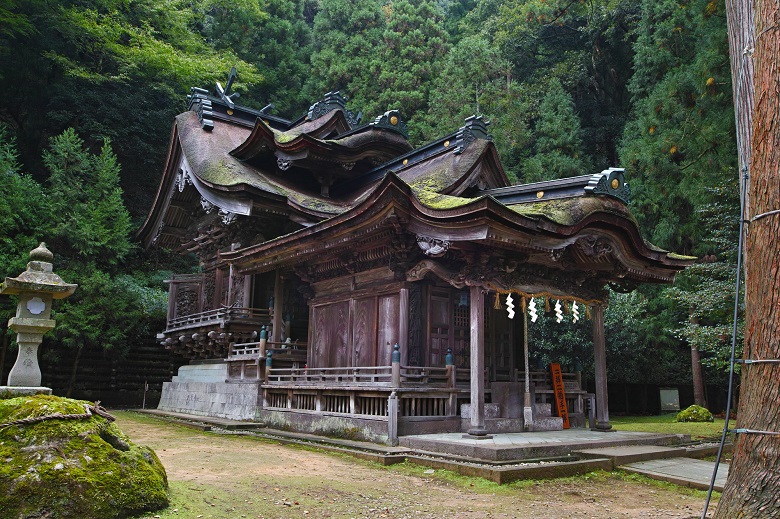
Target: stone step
[[682, 471], [625, 454]]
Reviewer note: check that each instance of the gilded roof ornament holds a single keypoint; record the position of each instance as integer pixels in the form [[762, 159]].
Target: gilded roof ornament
[[391, 120], [610, 182]]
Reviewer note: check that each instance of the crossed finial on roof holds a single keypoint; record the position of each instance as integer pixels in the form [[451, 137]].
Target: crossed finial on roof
[[224, 93]]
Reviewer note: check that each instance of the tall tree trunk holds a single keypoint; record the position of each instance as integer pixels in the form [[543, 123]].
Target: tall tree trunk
[[699, 397], [754, 479], [739, 15], [696, 370], [72, 381]]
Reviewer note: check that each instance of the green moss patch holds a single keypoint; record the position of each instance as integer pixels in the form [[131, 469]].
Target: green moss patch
[[435, 200], [83, 468]]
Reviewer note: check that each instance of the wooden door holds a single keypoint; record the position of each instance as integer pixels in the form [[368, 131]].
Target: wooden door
[[440, 322]]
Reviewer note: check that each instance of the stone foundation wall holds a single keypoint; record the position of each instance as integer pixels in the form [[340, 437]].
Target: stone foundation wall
[[201, 389]]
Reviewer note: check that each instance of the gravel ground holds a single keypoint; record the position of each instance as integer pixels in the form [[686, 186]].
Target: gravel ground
[[216, 476]]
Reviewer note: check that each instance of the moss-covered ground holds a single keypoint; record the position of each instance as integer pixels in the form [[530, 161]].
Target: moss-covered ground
[[82, 468], [665, 424]]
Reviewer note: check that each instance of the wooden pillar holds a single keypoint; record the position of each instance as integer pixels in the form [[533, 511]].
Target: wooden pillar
[[600, 361], [403, 325], [278, 323], [477, 344], [528, 412]]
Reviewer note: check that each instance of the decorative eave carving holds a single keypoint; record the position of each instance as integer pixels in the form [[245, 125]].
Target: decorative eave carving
[[433, 247], [334, 101]]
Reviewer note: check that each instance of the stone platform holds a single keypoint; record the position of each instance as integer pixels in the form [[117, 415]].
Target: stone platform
[[203, 390], [533, 445]]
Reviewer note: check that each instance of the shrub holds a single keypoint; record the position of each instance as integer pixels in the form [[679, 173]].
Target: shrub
[[695, 413]]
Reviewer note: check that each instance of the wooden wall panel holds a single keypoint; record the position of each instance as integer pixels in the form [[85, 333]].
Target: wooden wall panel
[[330, 335], [364, 331], [387, 327], [339, 324]]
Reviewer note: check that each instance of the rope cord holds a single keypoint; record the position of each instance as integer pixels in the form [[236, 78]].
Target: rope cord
[[87, 414], [754, 431], [764, 215], [529, 295]]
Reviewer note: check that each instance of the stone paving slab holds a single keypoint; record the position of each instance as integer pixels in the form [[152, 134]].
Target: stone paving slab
[[623, 455], [682, 471]]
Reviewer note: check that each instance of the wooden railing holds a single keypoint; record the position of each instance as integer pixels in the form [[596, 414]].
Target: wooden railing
[[373, 376], [412, 405], [226, 313]]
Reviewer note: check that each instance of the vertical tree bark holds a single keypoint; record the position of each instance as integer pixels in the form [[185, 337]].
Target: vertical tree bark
[[754, 479], [739, 15], [74, 370], [699, 397]]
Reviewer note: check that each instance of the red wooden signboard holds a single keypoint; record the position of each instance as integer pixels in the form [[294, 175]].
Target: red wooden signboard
[[559, 393]]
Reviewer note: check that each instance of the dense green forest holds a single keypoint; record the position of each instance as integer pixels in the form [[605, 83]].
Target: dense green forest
[[570, 87]]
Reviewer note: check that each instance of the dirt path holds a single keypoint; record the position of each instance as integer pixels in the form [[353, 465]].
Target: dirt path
[[229, 476]]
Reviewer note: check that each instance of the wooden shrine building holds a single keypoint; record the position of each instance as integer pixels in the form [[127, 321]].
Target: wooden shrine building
[[349, 282]]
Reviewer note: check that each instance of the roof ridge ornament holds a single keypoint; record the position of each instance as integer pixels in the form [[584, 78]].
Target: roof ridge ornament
[[610, 182], [333, 101], [391, 120], [199, 102], [475, 127], [224, 93]]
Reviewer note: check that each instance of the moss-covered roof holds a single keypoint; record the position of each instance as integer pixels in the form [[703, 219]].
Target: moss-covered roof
[[208, 154], [570, 211], [432, 199], [440, 172]]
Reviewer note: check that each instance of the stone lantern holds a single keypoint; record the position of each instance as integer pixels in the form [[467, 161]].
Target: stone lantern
[[36, 287]]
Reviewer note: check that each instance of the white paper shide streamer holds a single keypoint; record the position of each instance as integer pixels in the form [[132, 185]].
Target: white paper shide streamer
[[558, 311], [532, 310], [510, 307]]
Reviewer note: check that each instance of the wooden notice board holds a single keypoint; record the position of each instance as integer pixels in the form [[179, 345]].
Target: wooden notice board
[[559, 393]]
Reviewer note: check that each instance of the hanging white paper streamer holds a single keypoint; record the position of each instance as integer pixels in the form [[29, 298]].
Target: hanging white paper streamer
[[558, 311], [510, 307], [575, 313], [532, 310]]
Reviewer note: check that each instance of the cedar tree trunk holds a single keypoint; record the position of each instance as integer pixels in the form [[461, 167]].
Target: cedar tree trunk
[[753, 485], [739, 15]]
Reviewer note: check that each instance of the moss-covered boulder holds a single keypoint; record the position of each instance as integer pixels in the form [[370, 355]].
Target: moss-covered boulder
[[695, 413], [83, 468]]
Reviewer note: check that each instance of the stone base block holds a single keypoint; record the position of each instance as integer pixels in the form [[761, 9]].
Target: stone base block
[[14, 391], [491, 410]]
